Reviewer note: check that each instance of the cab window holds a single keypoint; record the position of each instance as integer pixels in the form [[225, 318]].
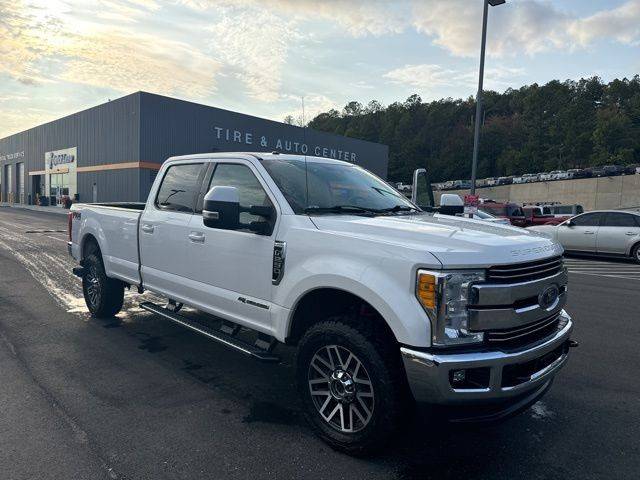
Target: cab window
[[250, 191], [180, 187]]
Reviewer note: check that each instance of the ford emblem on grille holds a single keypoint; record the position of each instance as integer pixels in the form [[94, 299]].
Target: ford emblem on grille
[[549, 297]]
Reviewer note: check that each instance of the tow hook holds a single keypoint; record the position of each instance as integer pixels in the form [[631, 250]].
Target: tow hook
[[573, 344]]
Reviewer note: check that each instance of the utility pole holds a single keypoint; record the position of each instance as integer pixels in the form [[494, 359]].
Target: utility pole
[[476, 135]]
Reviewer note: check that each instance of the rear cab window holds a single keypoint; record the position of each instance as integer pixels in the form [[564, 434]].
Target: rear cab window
[[180, 187]]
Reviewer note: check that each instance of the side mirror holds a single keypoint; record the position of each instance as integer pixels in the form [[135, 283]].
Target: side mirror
[[221, 208], [421, 193]]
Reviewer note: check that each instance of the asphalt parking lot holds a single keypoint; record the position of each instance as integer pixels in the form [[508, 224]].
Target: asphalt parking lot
[[136, 397]]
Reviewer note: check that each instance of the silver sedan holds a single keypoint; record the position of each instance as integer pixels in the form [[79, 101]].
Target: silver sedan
[[606, 232]]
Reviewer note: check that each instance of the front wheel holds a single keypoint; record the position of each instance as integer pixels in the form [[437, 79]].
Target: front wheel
[[635, 253], [104, 296], [351, 387]]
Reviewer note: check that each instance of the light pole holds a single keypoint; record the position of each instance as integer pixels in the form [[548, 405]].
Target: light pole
[[476, 135]]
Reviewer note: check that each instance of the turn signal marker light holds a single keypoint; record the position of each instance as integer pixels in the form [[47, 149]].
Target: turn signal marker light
[[426, 290]]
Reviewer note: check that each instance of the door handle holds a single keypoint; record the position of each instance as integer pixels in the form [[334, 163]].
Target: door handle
[[631, 234], [589, 232], [147, 228], [197, 237]]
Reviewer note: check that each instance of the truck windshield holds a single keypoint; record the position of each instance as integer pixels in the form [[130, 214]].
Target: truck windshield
[[334, 188]]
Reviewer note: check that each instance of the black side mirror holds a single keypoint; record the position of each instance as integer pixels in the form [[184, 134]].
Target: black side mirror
[[221, 208], [570, 223]]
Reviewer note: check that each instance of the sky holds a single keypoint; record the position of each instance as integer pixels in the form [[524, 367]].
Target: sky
[[261, 57]]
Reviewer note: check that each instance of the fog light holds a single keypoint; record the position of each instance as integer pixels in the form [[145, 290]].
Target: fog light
[[459, 376]]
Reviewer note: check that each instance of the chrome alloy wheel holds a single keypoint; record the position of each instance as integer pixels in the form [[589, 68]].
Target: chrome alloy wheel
[[93, 285], [341, 388]]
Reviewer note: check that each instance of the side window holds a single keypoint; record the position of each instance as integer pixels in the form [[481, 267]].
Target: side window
[[250, 191], [619, 220], [179, 188], [587, 220]]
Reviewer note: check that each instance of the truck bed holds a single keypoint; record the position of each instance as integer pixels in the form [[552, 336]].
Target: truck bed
[[115, 227]]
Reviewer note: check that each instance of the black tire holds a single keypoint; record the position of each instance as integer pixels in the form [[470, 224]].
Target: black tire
[[103, 295], [635, 253], [382, 366]]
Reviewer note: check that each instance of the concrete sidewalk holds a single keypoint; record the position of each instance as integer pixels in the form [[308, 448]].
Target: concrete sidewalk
[[36, 208]]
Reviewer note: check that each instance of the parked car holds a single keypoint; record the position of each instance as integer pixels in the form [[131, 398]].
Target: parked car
[[535, 216], [511, 211], [357, 281], [558, 175], [504, 181], [632, 169], [579, 173], [492, 182], [461, 184], [531, 177], [518, 180], [544, 177], [605, 232], [608, 171], [559, 210]]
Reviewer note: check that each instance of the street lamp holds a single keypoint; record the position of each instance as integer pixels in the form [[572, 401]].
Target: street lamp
[[476, 136]]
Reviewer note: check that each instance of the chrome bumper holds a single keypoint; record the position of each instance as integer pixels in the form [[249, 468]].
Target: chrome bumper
[[429, 373]]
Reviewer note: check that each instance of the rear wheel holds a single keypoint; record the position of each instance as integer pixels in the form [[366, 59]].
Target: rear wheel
[[635, 253], [350, 383], [104, 296]]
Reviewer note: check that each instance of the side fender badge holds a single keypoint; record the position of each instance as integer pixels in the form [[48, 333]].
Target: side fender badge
[[279, 254]]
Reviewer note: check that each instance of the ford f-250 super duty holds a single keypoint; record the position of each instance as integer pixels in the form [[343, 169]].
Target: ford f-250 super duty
[[387, 304]]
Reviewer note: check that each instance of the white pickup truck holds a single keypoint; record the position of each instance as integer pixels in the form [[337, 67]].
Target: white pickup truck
[[386, 303]]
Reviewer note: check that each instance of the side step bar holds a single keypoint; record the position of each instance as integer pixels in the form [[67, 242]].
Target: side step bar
[[213, 334]]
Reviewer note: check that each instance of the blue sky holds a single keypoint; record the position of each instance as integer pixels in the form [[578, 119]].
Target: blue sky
[[261, 56]]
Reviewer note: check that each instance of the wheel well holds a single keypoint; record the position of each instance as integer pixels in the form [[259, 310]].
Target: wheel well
[[320, 304], [89, 244], [633, 248]]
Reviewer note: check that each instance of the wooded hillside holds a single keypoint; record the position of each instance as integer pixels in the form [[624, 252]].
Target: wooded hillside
[[556, 126]]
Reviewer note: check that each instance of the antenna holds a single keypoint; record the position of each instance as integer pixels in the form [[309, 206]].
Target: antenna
[[306, 168]]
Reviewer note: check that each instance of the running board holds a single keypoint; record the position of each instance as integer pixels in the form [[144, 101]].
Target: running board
[[213, 334]]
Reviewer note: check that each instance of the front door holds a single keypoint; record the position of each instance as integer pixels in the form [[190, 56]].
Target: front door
[[618, 232], [164, 231], [232, 269], [581, 235]]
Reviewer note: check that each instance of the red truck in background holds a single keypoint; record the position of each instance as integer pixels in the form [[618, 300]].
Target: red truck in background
[[512, 211], [534, 216]]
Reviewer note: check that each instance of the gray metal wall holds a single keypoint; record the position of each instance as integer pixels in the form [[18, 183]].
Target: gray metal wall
[[108, 133], [144, 127], [175, 127]]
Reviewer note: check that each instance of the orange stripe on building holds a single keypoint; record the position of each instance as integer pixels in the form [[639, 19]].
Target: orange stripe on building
[[119, 166]]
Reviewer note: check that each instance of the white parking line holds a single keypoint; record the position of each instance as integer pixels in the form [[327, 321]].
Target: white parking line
[[599, 268]]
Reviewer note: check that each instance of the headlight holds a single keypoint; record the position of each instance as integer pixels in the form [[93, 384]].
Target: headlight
[[444, 296]]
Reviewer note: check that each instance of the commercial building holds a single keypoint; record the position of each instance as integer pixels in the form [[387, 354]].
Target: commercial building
[[113, 151]]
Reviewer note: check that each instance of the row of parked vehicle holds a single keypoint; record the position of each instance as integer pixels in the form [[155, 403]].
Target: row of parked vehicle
[[529, 215], [573, 173]]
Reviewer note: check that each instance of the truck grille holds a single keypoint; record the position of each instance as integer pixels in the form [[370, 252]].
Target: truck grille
[[523, 334], [524, 272]]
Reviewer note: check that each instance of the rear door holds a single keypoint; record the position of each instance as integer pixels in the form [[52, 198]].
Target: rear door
[[617, 233], [164, 228], [581, 235]]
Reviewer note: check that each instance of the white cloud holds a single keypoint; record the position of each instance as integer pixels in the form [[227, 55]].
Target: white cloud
[[426, 77], [314, 104], [621, 24], [423, 76], [255, 44]]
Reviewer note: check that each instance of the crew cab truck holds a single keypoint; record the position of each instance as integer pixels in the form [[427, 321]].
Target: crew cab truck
[[385, 302]]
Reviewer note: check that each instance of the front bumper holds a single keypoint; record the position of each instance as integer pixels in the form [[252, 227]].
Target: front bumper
[[430, 374]]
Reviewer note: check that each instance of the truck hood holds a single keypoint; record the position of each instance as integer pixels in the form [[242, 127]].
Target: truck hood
[[456, 242]]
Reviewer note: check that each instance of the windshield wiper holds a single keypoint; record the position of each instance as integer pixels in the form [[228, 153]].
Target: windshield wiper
[[398, 208], [342, 209]]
